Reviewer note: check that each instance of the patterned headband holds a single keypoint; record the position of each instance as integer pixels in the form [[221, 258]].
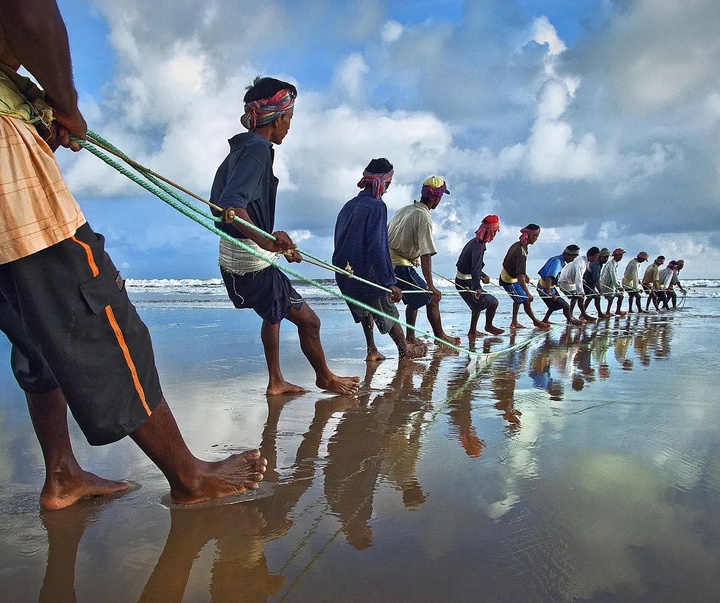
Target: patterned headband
[[263, 111], [379, 182]]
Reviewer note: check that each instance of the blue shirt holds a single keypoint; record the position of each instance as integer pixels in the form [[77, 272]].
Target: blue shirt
[[361, 239], [245, 179], [552, 269], [592, 275]]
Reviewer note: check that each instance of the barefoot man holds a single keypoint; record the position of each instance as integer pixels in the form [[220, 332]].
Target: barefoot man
[[77, 339], [361, 242], [246, 183], [631, 281], [610, 284], [470, 277], [547, 285], [411, 243], [514, 279]]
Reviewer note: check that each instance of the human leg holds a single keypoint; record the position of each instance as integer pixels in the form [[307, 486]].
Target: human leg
[[308, 325], [192, 480], [270, 337], [489, 317], [65, 481], [368, 326], [528, 310], [410, 319], [433, 314], [406, 349], [72, 292]]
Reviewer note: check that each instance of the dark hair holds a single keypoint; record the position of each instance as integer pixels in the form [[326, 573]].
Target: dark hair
[[532, 227], [573, 249], [660, 257], [379, 166], [266, 87], [593, 251]]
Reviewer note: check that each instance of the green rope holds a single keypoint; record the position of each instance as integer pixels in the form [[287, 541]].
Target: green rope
[[183, 207]]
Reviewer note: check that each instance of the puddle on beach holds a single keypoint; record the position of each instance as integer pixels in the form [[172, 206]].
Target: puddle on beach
[[584, 466]]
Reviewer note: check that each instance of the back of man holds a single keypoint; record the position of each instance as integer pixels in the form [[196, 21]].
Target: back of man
[[410, 235], [361, 240]]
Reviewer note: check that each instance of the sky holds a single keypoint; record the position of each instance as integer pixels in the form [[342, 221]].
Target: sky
[[597, 120]]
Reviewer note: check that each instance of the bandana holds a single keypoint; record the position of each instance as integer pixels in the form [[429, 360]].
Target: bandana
[[379, 182], [525, 233], [488, 228], [434, 188], [263, 111]]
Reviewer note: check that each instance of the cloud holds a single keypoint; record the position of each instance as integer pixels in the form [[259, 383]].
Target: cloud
[[611, 129]]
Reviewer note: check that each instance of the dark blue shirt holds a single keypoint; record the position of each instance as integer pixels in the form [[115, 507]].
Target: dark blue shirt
[[472, 262], [361, 239], [245, 179], [592, 275]]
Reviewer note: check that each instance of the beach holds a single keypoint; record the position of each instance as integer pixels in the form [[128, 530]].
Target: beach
[[583, 466]]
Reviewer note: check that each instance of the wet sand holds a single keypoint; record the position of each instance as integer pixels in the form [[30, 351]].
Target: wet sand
[[584, 467]]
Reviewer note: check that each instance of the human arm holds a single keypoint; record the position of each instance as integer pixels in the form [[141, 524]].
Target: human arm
[[36, 34], [426, 267], [242, 185]]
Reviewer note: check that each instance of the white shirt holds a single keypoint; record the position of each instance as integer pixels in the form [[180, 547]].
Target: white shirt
[[608, 277], [571, 276]]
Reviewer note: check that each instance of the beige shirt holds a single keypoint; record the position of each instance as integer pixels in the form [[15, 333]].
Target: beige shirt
[[410, 235], [36, 208]]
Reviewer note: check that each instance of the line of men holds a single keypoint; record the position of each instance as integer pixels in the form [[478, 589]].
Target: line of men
[[77, 340]]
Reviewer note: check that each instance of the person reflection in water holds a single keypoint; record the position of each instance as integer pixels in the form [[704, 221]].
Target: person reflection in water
[[380, 438]]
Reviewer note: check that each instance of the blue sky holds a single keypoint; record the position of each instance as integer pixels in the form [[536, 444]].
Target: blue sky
[[597, 120]]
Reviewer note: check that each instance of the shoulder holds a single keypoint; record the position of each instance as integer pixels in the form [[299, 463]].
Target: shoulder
[[251, 144]]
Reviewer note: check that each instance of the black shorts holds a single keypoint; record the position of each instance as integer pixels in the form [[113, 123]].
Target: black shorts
[[76, 311], [29, 367], [553, 304], [268, 292], [384, 305], [478, 304], [409, 280]]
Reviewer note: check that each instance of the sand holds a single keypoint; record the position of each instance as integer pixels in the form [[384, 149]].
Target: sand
[[583, 467]]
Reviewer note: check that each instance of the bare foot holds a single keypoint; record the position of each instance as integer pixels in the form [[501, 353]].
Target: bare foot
[[476, 334], [374, 356], [620, 313], [494, 330], [284, 387], [589, 318], [339, 385], [235, 474], [576, 322], [450, 339], [516, 325], [64, 489], [417, 350]]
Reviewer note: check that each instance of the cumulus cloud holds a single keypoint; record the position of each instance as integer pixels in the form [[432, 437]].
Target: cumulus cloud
[[606, 130]]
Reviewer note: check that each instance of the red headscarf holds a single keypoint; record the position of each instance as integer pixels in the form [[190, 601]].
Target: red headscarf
[[525, 233], [489, 227]]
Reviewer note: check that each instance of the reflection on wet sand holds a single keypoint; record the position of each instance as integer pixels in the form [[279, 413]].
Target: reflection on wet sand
[[380, 437], [594, 511]]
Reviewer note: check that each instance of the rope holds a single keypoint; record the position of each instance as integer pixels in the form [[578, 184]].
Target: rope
[[192, 212]]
